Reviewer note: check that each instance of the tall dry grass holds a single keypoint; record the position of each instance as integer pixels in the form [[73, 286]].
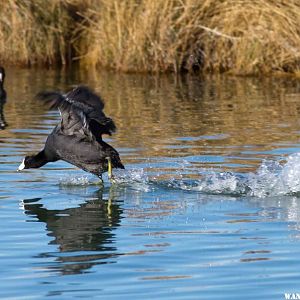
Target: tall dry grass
[[241, 36], [36, 32]]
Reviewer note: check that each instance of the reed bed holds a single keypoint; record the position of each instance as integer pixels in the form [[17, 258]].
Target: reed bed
[[241, 37], [33, 32]]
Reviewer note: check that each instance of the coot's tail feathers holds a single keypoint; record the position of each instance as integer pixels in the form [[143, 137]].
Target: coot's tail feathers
[[116, 163], [89, 105], [120, 166], [104, 126]]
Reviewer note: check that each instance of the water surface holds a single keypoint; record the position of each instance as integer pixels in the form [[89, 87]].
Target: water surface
[[207, 208]]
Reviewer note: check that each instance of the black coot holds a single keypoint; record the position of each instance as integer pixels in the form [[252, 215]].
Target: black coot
[[78, 137]]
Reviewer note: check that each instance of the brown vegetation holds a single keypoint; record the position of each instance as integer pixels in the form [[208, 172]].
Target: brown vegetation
[[240, 37]]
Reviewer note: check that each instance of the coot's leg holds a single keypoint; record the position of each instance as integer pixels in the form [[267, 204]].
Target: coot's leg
[[109, 170]]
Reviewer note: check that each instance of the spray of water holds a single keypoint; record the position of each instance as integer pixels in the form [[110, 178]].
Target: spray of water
[[272, 178], [70, 180]]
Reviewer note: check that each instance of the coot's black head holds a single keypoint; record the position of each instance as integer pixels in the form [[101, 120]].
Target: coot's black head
[[33, 161], [27, 163], [2, 75]]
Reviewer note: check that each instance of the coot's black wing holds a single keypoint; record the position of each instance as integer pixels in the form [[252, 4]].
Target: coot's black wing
[[81, 111]]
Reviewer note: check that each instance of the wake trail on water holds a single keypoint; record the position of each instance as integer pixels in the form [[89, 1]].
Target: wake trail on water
[[272, 178]]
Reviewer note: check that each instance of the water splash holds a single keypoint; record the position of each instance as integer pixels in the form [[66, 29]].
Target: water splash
[[71, 180], [272, 178], [137, 179]]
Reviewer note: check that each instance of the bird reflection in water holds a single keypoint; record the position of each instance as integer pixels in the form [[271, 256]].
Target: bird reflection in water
[[3, 123], [88, 227]]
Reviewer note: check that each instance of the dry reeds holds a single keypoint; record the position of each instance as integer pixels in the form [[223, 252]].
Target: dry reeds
[[241, 36], [35, 32]]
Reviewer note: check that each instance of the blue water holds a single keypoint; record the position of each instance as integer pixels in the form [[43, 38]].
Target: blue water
[[207, 208]]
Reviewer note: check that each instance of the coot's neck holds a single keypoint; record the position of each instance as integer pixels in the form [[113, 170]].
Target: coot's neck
[[37, 161]]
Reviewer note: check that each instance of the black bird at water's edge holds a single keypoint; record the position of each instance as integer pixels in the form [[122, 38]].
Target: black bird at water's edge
[[3, 123], [77, 139]]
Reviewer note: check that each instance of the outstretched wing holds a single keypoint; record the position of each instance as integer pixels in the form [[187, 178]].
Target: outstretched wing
[[81, 110]]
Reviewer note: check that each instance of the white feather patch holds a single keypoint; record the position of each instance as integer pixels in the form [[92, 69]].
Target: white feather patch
[[22, 165]]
